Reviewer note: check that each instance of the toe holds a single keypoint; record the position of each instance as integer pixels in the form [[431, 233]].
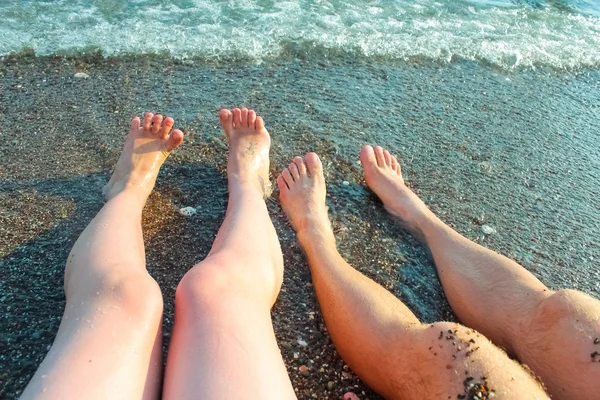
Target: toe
[[259, 124], [283, 187], [301, 166], [394, 163], [288, 177], [156, 123], [148, 121], [226, 118], [388, 158], [251, 118], [293, 168], [237, 117], [166, 127], [174, 140], [397, 168], [244, 117], [379, 156], [367, 156], [313, 164], [135, 124]]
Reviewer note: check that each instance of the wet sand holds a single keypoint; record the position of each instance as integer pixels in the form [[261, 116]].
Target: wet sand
[[516, 151]]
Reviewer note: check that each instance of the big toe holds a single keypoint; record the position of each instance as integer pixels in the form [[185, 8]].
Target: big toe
[[226, 118], [314, 165], [367, 156]]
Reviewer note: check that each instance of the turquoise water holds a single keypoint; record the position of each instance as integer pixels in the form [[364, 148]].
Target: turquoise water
[[506, 33]]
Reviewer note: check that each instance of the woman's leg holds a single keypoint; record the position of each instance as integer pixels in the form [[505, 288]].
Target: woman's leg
[[108, 343], [375, 333], [223, 345], [553, 332]]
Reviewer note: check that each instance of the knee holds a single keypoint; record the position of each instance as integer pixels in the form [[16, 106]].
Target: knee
[[206, 285], [557, 308], [218, 278], [136, 293]]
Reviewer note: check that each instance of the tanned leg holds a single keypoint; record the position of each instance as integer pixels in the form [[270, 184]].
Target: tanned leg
[[223, 345], [553, 332], [108, 343], [375, 333]]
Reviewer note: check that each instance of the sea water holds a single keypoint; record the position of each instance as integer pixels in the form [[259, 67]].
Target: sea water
[[563, 34]]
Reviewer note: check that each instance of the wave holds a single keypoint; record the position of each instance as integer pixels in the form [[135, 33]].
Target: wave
[[506, 34]]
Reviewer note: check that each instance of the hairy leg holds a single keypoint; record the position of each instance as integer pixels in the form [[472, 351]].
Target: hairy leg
[[223, 345], [108, 343], [553, 332], [375, 333]]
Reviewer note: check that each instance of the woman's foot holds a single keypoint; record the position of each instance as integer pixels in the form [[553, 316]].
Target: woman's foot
[[249, 144], [384, 176], [302, 194], [146, 148]]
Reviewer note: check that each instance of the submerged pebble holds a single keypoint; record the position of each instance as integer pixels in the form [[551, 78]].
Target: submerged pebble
[[488, 230], [188, 211], [81, 75]]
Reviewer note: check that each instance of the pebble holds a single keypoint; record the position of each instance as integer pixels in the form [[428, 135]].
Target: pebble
[[488, 230], [303, 370], [302, 343], [81, 75], [330, 385], [345, 183], [188, 211]]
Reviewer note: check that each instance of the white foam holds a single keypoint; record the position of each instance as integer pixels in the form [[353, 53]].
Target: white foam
[[498, 32]]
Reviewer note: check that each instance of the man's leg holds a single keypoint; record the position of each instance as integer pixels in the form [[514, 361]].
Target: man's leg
[[223, 345], [553, 332], [108, 343], [375, 333]]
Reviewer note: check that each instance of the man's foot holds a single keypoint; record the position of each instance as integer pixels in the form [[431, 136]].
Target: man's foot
[[249, 144], [384, 176], [302, 194], [146, 148]]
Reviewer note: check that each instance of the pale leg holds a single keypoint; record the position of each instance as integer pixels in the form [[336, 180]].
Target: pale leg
[[108, 344], [223, 344]]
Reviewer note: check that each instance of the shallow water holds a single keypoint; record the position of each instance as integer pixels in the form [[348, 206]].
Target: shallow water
[[509, 34]]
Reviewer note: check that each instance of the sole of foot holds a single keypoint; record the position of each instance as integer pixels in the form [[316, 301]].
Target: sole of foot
[[302, 194], [147, 146], [249, 145], [383, 175]]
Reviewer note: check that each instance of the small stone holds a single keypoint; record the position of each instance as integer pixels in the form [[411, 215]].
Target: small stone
[[302, 343], [81, 75], [488, 230], [304, 370], [330, 385], [188, 211], [346, 183], [296, 356], [347, 375], [188, 62]]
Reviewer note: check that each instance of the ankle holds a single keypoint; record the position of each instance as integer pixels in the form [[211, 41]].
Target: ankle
[[315, 230]]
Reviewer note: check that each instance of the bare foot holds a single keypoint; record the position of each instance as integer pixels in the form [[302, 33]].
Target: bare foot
[[146, 148], [384, 176], [302, 195], [249, 144]]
